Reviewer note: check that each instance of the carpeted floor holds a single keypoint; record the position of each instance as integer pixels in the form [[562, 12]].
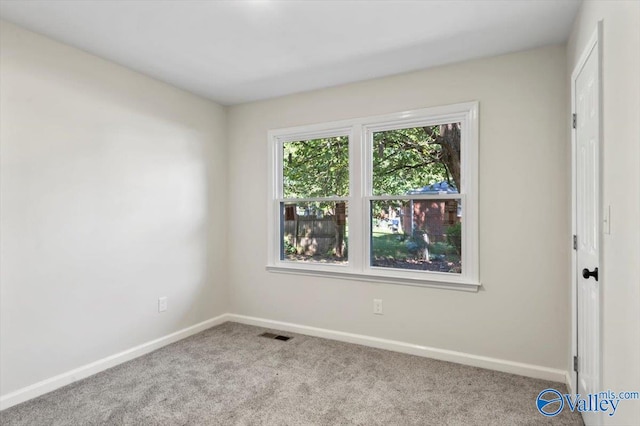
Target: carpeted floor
[[227, 375]]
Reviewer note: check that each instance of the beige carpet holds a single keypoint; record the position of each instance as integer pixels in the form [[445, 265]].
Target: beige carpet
[[227, 375]]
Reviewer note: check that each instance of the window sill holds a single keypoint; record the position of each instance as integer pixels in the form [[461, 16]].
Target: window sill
[[433, 281]]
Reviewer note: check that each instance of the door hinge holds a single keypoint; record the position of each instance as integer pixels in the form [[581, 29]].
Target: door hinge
[[574, 121], [575, 363], [575, 242]]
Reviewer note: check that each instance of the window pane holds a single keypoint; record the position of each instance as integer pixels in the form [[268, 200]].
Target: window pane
[[314, 232], [407, 160], [417, 234], [316, 168]]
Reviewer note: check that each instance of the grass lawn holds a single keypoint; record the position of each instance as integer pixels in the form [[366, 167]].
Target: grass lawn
[[386, 244]]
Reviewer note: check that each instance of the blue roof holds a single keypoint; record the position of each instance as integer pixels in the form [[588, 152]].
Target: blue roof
[[435, 188]]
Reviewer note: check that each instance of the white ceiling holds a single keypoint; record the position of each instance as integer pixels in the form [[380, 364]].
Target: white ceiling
[[240, 51]]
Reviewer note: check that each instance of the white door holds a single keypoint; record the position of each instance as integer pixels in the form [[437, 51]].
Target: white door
[[587, 220]]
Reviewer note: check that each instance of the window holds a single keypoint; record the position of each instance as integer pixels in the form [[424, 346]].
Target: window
[[315, 183], [391, 198]]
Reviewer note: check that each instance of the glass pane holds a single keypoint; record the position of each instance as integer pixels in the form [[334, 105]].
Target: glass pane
[[316, 168], [417, 234], [314, 232], [407, 160]]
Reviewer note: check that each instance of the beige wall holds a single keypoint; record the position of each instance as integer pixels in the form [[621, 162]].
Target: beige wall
[[521, 314], [621, 190], [113, 189]]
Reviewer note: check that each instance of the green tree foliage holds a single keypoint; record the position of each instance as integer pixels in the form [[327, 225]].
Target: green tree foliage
[[316, 168], [408, 159], [403, 160]]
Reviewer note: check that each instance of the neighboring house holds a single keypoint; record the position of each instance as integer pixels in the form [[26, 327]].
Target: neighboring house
[[432, 216]]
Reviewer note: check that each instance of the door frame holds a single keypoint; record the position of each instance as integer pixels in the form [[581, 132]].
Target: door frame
[[593, 45]]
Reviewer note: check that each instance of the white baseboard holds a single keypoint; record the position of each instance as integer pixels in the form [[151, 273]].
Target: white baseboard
[[521, 369], [569, 382], [53, 383]]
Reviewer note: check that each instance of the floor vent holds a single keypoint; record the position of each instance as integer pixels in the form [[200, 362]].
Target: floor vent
[[275, 336]]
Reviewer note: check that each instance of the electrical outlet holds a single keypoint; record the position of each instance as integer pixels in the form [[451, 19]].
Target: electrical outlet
[[377, 306], [162, 304]]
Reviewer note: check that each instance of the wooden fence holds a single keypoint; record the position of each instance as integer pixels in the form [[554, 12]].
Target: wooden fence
[[311, 235]]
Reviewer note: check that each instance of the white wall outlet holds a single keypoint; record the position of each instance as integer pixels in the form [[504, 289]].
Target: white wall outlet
[[377, 306], [162, 304]]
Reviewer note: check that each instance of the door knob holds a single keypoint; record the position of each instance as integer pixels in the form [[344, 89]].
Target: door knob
[[586, 274]]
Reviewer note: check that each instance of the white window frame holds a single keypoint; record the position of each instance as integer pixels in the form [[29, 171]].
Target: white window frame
[[360, 132]]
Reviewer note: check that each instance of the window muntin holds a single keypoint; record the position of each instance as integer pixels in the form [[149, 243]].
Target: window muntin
[[365, 190]]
